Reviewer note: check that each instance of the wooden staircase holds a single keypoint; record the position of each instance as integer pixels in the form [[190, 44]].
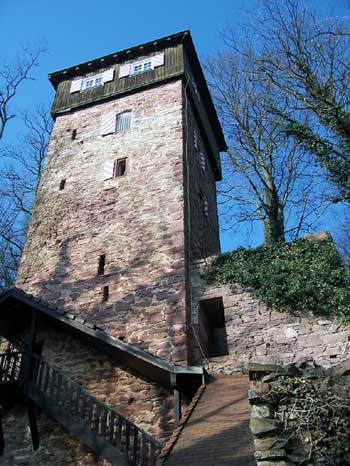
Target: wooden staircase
[[106, 432]]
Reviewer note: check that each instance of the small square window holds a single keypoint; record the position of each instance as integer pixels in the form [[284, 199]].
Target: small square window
[[92, 81], [62, 185], [137, 69], [123, 121], [120, 168], [141, 66]]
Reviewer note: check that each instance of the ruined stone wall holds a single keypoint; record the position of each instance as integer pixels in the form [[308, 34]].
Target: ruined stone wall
[[257, 334], [136, 220]]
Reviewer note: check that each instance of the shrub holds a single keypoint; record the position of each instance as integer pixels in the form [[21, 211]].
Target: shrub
[[305, 275]]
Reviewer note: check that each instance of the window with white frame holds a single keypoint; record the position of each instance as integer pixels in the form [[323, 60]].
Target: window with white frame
[[123, 121], [97, 80], [92, 81], [141, 66]]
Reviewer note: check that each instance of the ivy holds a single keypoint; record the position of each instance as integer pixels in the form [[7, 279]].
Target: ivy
[[305, 275]]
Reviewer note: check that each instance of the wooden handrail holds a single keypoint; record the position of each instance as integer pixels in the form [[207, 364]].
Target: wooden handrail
[[11, 364], [139, 448]]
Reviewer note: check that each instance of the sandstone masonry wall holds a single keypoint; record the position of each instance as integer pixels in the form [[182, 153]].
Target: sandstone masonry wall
[[136, 220], [257, 334], [203, 230], [143, 402]]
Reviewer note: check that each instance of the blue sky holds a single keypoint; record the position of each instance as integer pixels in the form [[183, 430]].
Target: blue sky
[[79, 30]]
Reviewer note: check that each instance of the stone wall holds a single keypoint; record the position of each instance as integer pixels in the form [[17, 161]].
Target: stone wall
[[136, 220], [258, 334], [145, 403], [203, 231], [57, 447], [299, 414]]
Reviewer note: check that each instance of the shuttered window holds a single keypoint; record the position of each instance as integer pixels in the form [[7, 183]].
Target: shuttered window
[[92, 81], [202, 161], [82, 84], [195, 140], [206, 206], [108, 75], [107, 123], [141, 66], [108, 169], [75, 86], [123, 121], [124, 70], [120, 168]]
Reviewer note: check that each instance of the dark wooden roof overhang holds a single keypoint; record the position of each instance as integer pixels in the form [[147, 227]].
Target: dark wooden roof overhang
[[183, 37], [16, 308]]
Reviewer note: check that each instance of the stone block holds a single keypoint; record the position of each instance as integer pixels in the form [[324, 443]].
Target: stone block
[[260, 426], [272, 454], [268, 443], [261, 410]]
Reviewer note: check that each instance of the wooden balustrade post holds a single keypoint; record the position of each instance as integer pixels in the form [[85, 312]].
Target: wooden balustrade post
[[177, 399]]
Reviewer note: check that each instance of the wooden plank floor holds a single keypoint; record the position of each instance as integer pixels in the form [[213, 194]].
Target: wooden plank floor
[[217, 432]]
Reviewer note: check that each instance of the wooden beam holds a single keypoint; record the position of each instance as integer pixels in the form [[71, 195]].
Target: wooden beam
[[177, 405], [2, 441], [33, 425], [28, 364], [177, 399]]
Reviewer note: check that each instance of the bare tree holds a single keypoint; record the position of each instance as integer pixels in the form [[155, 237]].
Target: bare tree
[[307, 60], [267, 175], [342, 238], [12, 76], [20, 179]]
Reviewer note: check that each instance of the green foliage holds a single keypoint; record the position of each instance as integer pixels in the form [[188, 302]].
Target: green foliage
[[306, 275]]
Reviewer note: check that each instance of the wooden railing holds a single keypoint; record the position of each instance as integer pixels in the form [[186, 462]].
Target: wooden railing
[[138, 448], [11, 366]]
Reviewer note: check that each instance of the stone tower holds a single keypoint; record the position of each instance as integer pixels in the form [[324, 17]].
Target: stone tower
[[127, 199]]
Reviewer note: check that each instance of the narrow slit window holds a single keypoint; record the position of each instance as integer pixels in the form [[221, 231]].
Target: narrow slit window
[[123, 121], [206, 207], [62, 184], [120, 168], [74, 134], [202, 161], [195, 140], [101, 264], [105, 293]]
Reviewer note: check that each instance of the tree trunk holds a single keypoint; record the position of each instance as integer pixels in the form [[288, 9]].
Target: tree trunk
[[274, 221]]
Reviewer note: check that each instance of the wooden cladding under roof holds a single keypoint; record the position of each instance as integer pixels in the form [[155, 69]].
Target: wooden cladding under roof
[[173, 66]]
